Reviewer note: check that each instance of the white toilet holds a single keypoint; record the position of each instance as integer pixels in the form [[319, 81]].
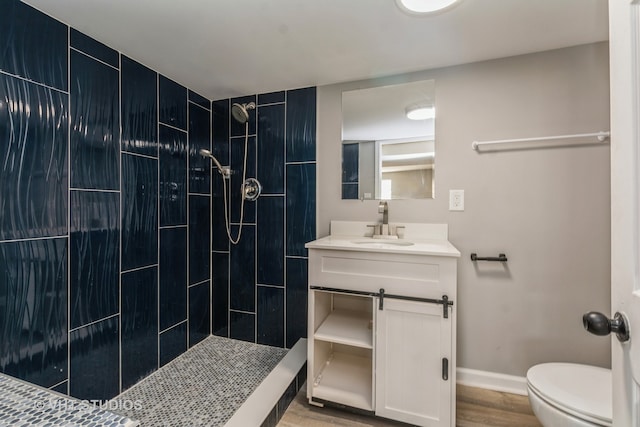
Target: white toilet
[[570, 395]]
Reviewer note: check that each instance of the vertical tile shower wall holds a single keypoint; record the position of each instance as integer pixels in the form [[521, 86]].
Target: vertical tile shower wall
[[260, 285], [102, 196]]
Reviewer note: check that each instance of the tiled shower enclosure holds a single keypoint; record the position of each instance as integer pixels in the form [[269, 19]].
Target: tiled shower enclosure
[[106, 212], [261, 297]]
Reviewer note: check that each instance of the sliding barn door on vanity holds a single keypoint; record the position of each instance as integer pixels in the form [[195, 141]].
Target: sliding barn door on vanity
[[413, 370]]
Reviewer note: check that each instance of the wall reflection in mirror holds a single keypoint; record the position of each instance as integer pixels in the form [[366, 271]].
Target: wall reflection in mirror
[[388, 147]]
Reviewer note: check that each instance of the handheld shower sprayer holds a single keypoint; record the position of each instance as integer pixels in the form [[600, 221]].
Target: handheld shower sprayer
[[225, 172], [250, 188]]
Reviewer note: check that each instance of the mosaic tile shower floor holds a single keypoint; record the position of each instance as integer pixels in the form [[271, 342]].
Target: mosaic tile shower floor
[[27, 405], [202, 387]]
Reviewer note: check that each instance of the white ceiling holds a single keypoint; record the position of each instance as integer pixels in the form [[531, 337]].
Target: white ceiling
[[379, 113], [225, 48]]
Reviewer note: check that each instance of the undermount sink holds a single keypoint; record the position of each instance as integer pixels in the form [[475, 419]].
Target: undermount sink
[[381, 242]]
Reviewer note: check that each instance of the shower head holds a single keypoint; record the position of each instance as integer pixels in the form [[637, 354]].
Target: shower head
[[223, 171], [240, 112]]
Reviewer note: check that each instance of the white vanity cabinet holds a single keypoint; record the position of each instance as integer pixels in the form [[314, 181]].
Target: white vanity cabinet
[[382, 319]]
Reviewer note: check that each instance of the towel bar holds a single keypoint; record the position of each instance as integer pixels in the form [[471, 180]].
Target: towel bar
[[499, 258]]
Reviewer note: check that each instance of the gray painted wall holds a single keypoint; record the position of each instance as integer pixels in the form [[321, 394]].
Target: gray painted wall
[[546, 208]]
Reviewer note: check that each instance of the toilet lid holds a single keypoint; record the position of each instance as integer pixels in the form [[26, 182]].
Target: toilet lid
[[581, 390]]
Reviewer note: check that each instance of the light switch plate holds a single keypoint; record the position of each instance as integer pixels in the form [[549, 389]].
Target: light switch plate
[[456, 200]]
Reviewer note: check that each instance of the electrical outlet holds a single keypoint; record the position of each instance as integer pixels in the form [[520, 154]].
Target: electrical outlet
[[456, 200]]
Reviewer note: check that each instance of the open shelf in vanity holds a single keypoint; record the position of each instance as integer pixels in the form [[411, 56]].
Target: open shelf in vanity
[[344, 319], [343, 350]]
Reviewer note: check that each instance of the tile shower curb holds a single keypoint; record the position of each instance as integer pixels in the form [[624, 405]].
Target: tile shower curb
[[265, 399]]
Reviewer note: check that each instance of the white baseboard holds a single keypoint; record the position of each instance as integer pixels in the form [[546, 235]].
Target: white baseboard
[[492, 381]]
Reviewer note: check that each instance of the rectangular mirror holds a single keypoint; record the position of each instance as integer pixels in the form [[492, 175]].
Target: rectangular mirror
[[388, 142]]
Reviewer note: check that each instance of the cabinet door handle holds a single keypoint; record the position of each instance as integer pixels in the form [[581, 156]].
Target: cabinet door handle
[[445, 368]]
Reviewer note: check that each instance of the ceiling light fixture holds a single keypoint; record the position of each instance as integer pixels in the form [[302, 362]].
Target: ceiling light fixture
[[419, 7], [420, 112]]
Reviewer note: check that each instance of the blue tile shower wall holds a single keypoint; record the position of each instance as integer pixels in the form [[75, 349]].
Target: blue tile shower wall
[[220, 147], [95, 360], [139, 108], [270, 225], [139, 211], [259, 290], [173, 277], [94, 242], [199, 312], [173, 342], [238, 163], [39, 56], [95, 122], [270, 316], [242, 270], [97, 191], [94, 48], [271, 133], [296, 299], [199, 138], [199, 241], [102, 168], [173, 176], [139, 323], [33, 315], [220, 293], [173, 99], [34, 175]]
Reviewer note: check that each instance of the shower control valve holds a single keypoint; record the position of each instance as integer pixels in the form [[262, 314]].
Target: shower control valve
[[251, 189]]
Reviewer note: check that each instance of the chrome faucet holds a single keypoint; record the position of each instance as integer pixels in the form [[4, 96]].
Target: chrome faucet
[[383, 208], [383, 230]]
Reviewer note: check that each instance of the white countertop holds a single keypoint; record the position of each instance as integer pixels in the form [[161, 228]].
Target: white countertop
[[413, 243], [355, 243]]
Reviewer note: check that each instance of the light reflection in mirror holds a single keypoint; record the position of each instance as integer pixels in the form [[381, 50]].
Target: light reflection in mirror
[[385, 155]]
